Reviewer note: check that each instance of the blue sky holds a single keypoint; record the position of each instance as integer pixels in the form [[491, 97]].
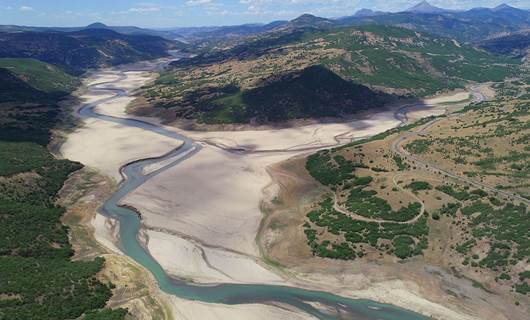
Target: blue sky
[[171, 13]]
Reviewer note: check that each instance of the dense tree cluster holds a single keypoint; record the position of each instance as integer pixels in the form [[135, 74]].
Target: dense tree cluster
[[38, 279]]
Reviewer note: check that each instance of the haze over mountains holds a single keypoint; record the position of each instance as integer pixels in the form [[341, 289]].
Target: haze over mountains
[[381, 58], [470, 26], [467, 25], [500, 30]]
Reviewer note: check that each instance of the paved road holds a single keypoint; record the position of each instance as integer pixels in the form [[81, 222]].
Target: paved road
[[397, 147]]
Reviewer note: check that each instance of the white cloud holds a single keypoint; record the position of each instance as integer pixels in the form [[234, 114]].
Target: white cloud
[[292, 8], [148, 8], [144, 9], [26, 8], [198, 2]]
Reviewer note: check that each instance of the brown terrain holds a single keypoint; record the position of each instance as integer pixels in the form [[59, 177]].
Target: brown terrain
[[482, 153], [134, 287]]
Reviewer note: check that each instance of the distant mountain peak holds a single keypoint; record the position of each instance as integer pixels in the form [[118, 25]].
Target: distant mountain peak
[[425, 7], [310, 20], [368, 13], [97, 25], [306, 16], [502, 7]]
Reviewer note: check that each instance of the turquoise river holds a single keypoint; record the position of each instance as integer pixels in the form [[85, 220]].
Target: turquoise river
[[130, 224]]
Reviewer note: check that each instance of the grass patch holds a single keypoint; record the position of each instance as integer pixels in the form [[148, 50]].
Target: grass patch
[[419, 185], [367, 204], [418, 146]]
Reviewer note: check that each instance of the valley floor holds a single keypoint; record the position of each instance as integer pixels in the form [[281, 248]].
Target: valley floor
[[201, 219]]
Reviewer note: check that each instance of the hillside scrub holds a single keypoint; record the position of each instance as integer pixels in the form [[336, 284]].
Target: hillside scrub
[[316, 73]]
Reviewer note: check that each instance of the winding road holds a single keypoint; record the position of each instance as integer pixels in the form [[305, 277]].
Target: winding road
[[397, 147]]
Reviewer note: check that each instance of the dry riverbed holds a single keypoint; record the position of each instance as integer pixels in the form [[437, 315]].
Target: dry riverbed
[[201, 217]]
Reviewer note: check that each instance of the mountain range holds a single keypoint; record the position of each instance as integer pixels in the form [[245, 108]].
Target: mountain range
[[128, 30], [476, 241], [249, 81], [80, 50], [426, 7], [472, 25], [516, 44]]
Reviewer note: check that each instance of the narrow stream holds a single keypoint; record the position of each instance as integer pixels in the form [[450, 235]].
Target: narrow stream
[[336, 307]]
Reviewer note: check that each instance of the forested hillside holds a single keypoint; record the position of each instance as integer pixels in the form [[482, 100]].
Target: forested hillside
[[32, 80], [80, 50], [38, 278]]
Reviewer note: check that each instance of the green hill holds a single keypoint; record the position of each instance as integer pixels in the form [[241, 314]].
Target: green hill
[[39, 280], [29, 91], [13, 88], [80, 50], [386, 59], [30, 79], [312, 92]]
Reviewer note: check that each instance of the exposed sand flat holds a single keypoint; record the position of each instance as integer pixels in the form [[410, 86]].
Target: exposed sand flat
[[449, 98], [182, 258], [240, 268], [101, 77], [402, 293], [132, 81], [89, 97], [135, 79], [213, 197], [114, 107], [158, 165], [416, 113], [292, 139], [105, 231], [440, 105], [192, 310], [107, 146], [188, 260]]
